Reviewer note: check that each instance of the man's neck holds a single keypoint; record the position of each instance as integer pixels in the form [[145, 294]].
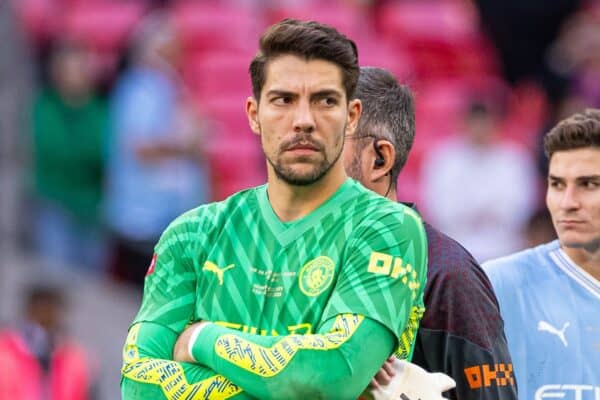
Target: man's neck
[[589, 261], [291, 202], [392, 195]]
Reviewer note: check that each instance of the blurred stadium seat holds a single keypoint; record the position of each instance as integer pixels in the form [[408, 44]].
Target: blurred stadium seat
[[205, 26], [438, 108], [527, 111], [217, 73], [442, 37], [233, 150], [39, 18], [337, 14], [442, 21], [379, 52], [228, 112], [104, 25], [236, 163]]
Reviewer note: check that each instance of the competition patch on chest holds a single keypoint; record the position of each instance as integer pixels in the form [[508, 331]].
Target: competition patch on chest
[[269, 283], [316, 276]]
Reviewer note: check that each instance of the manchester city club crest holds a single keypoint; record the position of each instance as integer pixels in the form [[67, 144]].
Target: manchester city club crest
[[316, 276]]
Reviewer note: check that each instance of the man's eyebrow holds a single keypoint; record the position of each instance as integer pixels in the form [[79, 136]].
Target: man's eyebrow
[[280, 92], [579, 178], [589, 177], [327, 93]]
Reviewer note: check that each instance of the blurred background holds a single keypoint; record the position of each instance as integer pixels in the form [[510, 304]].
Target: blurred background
[[118, 115]]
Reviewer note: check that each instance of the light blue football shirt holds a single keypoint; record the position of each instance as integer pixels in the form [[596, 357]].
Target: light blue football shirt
[[551, 310]]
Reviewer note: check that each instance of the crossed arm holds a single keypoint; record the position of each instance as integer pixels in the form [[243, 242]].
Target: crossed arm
[[333, 363]]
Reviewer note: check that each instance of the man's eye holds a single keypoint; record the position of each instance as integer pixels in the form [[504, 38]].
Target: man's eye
[[282, 100], [328, 101], [591, 184], [556, 184]]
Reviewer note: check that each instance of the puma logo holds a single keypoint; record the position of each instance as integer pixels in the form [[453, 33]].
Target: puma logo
[[212, 267], [545, 326]]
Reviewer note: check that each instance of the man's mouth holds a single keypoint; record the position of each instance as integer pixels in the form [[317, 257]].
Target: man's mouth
[[302, 147], [570, 222]]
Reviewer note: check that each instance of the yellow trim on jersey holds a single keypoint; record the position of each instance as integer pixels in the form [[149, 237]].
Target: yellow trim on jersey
[[269, 361], [407, 339], [169, 375]]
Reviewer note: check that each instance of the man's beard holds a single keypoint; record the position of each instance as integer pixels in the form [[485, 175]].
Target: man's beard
[[591, 246], [291, 177]]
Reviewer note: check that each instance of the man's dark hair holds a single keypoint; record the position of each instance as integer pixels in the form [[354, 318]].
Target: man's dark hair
[[575, 132], [388, 113], [309, 40]]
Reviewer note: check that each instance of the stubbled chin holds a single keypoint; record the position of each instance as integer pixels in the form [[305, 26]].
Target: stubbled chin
[[572, 242], [305, 159], [300, 165]]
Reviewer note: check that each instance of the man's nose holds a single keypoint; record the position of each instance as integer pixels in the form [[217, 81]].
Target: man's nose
[[570, 198], [304, 120]]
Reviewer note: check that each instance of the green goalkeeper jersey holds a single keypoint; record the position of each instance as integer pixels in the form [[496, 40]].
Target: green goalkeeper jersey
[[236, 264]]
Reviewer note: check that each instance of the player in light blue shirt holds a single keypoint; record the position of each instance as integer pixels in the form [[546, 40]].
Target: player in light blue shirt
[[550, 295]]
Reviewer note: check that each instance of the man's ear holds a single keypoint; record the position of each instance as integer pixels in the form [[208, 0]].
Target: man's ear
[[382, 150], [354, 112], [252, 114]]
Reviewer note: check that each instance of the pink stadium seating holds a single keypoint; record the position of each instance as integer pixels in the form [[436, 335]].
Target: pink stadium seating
[[441, 21], [438, 106], [205, 26], [217, 73], [436, 47], [339, 15], [442, 37], [527, 112], [233, 149], [228, 113], [379, 52], [104, 25], [236, 164], [39, 18]]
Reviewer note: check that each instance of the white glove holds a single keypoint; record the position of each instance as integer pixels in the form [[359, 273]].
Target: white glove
[[412, 382]]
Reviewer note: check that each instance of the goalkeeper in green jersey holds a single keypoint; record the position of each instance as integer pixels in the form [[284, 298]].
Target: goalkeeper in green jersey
[[300, 288]]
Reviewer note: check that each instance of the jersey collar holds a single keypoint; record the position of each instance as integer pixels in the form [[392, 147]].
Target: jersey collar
[[287, 232], [584, 279]]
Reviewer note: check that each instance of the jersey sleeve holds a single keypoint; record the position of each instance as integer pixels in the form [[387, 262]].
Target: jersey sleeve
[[170, 283], [383, 275]]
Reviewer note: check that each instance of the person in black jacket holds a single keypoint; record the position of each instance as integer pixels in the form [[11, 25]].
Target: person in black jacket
[[462, 332]]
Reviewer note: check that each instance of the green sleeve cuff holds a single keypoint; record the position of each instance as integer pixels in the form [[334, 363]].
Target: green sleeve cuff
[[203, 349]]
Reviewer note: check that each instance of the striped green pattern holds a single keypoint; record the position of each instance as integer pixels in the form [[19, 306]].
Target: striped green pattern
[[236, 263]]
